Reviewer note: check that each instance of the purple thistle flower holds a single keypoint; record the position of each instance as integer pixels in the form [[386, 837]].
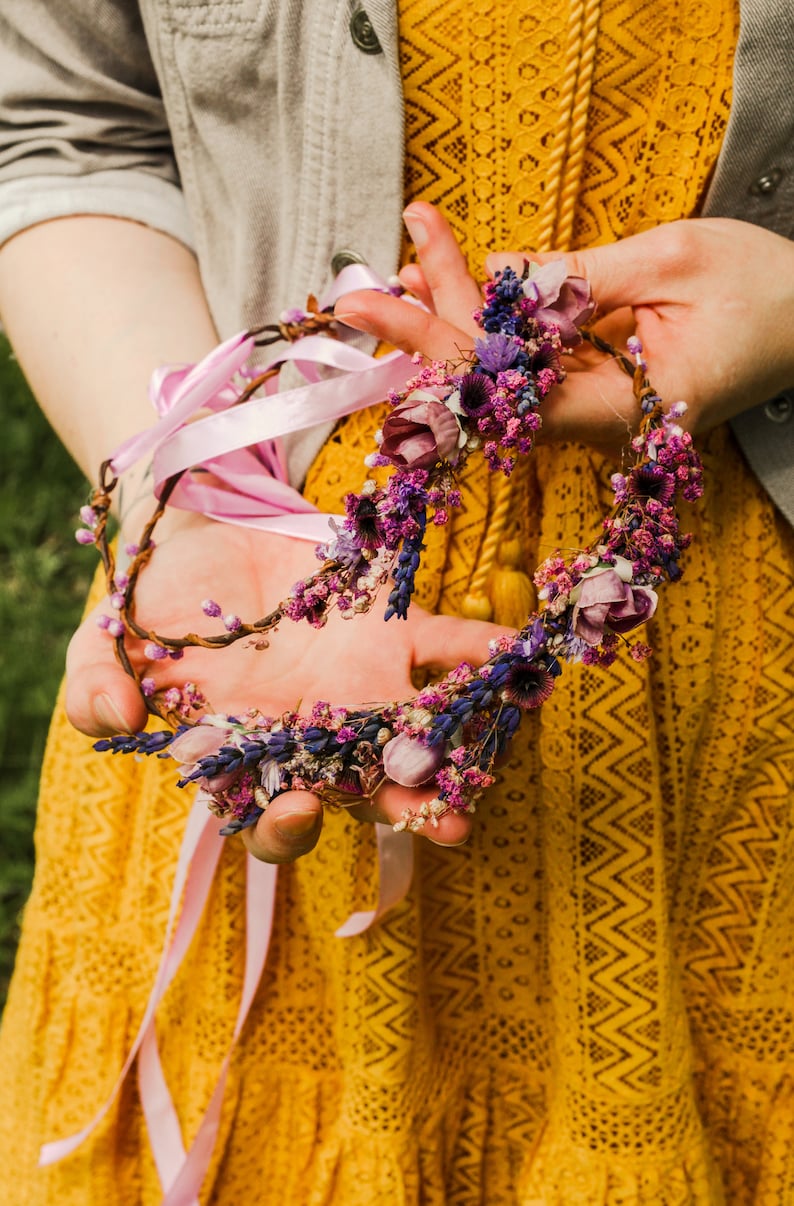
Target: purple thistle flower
[[362, 512], [528, 685], [651, 481], [496, 352], [476, 394]]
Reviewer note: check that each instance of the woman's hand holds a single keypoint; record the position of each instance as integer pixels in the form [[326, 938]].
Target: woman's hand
[[711, 299], [362, 660]]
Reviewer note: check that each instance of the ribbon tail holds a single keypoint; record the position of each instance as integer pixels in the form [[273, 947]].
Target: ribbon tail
[[396, 867], [198, 857], [260, 910]]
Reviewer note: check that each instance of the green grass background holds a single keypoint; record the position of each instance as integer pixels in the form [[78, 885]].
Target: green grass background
[[44, 577]]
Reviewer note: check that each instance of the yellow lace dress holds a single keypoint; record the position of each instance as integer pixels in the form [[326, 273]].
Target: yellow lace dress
[[593, 1001]]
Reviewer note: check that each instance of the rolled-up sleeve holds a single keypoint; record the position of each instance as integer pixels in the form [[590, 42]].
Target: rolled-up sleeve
[[83, 128]]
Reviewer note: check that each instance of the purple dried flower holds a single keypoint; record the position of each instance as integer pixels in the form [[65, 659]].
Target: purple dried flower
[[476, 394], [362, 512], [496, 351], [211, 608], [651, 481], [528, 685], [154, 652]]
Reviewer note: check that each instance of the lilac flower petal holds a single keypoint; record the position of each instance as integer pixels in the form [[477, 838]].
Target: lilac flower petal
[[198, 742], [407, 762]]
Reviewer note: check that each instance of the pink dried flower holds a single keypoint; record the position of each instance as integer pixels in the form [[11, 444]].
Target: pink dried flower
[[561, 299], [420, 433], [607, 602], [407, 762]]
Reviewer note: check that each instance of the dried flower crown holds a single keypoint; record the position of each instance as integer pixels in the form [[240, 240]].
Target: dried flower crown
[[452, 733]]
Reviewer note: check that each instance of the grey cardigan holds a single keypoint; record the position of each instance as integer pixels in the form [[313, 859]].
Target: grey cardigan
[[245, 129]]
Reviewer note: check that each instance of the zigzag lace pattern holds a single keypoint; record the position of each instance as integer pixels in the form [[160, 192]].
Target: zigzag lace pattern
[[592, 1002]]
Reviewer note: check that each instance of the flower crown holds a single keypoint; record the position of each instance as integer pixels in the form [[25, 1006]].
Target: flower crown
[[451, 734]]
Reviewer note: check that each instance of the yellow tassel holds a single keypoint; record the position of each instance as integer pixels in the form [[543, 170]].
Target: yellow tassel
[[476, 607], [511, 591]]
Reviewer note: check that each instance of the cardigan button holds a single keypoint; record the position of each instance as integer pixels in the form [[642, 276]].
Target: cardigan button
[[344, 258], [780, 409], [767, 182], [363, 33]]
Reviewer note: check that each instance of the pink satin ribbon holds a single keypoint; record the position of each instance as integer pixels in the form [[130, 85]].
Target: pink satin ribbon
[[239, 454], [238, 469]]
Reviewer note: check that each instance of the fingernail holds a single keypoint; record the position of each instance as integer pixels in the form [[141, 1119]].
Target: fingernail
[[108, 716], [297, 824], [357, 321], [416, 228]]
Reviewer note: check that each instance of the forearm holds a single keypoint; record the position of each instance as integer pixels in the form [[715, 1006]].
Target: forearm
[[92, 305]]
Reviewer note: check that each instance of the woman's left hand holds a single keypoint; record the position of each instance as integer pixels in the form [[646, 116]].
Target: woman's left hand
[[711, 299]]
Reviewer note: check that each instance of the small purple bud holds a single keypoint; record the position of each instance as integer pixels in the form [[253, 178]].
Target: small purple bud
[[115, 628], [121, 581], [102, 621], [154, 652], [83, 536], [172, 697], [88, 516], [147, 687], [176, 655], [634, 345], [117, 600], [231, 623], [291, 316], [131, 549], [211, 608]]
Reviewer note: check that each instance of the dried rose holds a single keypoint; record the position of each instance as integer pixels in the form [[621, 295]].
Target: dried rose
[[202, 741], [607, 602], [420, 432], [563, 300], [407, 762]]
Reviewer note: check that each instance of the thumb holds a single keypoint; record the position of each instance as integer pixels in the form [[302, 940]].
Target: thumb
[[101, 698]]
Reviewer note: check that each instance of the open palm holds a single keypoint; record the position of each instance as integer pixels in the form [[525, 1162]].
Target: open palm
[[349, 662]]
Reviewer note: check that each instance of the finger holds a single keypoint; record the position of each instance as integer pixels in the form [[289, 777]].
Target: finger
[[497, 261], [290, 826], [412, 278], [403, 325], [446, 641], [454, 291], [392, 801], [645, 269], [101, 698]]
